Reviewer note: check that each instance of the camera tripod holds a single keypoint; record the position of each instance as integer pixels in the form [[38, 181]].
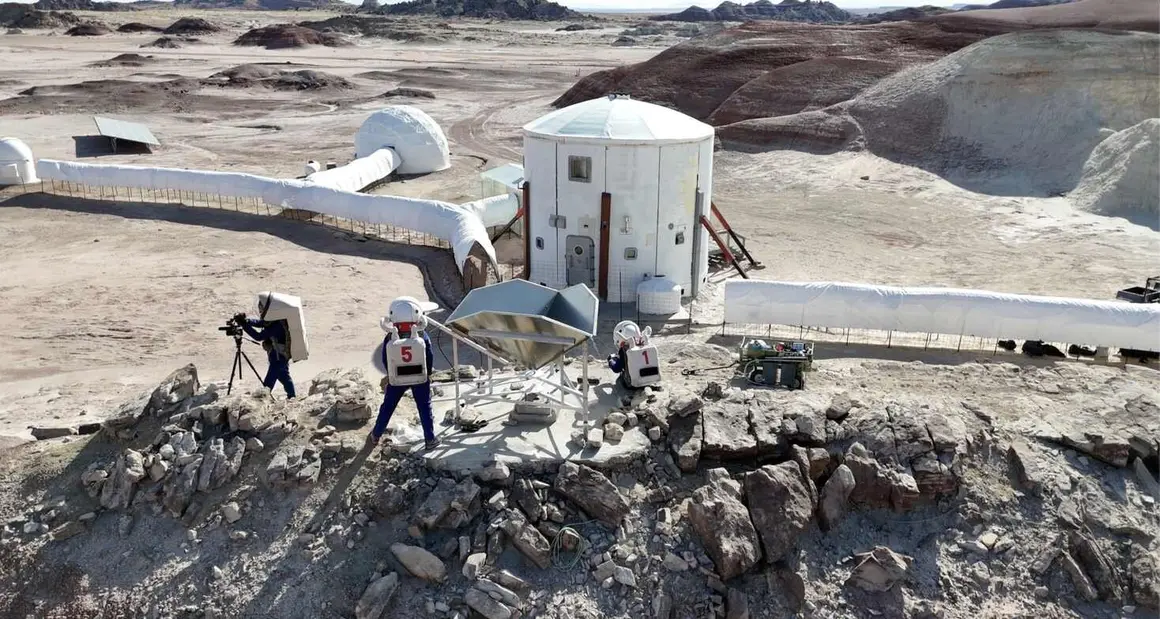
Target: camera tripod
[[236, 367]]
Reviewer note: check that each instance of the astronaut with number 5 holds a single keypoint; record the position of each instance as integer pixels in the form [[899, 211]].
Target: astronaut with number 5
[[407, 356]]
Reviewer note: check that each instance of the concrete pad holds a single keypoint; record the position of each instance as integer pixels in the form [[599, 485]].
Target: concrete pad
[[528, 447]]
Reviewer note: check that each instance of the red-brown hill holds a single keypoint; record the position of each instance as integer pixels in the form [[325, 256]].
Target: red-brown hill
[[762, 69], [1142, 15]]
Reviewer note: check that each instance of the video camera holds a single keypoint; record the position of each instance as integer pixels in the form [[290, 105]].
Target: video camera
[[233, 326]]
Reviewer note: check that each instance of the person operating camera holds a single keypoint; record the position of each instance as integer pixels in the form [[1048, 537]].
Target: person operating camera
[[275, 340]]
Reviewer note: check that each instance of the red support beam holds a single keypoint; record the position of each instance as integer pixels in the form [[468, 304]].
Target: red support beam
[[526, 209], [605, 232]]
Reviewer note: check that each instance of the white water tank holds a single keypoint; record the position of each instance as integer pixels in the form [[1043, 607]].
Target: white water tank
[[312, 166], [17, 167], [658, 295]]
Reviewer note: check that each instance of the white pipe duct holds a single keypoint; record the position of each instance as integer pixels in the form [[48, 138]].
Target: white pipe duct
[[360, 173], [494, 211], [461, 227], [950, 311]]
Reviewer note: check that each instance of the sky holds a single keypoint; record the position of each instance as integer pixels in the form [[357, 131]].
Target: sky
[[648, 5]]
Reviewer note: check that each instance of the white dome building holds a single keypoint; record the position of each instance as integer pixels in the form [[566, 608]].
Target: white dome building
[[17, 166], [614, 191], [410, 132]]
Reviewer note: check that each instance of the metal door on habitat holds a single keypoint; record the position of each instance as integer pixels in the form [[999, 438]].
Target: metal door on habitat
[[581, 260]]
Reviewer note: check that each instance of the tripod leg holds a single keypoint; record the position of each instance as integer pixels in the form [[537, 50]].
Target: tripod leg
[[251, 364], [235, 369]]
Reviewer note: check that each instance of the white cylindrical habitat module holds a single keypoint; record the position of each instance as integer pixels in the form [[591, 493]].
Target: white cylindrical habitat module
[[658, 295], [643, 171], [410, 132], [312, 166], [17, 166]]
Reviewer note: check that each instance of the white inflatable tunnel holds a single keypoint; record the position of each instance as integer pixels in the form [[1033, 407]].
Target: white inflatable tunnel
[[951, 311]]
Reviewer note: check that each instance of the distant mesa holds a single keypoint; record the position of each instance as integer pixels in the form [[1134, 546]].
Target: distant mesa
[[88, 29], [133, 27], [491, 9], [377, 27], [577, 27], [24, 16], [414, 93], [253, 75], [1140, 15], [1021, 4], [171, 42], [83, 5], [910, 13], [265, 5], [126, 60], [191, 25], [284, 36], [787, 10]]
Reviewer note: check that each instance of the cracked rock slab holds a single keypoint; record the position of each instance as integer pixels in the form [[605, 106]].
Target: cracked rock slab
[[726, 432]]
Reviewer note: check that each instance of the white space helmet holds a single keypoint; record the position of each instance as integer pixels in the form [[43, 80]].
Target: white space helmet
[[404, 309], [628, 331]]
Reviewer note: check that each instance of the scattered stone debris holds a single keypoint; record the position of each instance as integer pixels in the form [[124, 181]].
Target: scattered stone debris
[[880, 569]]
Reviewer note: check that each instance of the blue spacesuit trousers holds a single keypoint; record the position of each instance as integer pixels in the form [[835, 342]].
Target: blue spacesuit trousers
[[422, 393], [279, 372]]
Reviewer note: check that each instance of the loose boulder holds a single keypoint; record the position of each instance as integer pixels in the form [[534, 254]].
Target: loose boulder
[[683, 402], [685, 439], [527, 539], [374, 601], [354, 397], [726, 431], [1145, 577], [880, 570], [835, 497], [592, 491], [174, 392], [450, 505], [420, 563], [118, 490], [721, 521], [780, 505]]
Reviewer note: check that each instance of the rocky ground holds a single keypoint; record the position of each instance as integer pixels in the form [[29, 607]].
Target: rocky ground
[[981, 488]]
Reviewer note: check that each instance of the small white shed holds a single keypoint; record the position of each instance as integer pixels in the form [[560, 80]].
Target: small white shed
[[615, 189], [17, 166]]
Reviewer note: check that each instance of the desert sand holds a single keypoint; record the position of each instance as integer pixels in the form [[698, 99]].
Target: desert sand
[[102, 299]]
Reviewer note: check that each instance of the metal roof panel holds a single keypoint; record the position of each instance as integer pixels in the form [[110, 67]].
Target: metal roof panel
[[124, 130]]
